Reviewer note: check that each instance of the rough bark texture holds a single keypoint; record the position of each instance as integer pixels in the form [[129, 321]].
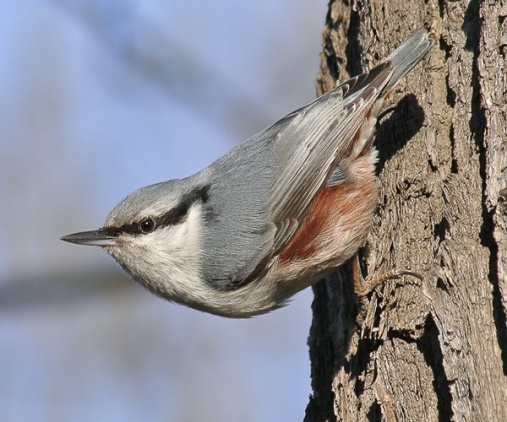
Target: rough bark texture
[[434, 350]]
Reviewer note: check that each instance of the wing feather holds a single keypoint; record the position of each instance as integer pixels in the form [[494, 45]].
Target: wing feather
[[264, 187], [314, 142]]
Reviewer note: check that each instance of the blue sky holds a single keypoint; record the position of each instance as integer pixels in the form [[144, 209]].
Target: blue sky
[[99, 99]]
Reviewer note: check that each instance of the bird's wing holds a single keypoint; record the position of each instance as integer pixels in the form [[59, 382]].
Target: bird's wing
[[282, 169], [314, 143], [287, 164], [315, 140], [264, 186]]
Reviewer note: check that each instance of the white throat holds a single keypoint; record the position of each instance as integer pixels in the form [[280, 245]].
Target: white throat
[[167, 261]]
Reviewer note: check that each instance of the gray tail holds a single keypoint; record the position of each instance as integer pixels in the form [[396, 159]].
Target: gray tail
[[408, 54]]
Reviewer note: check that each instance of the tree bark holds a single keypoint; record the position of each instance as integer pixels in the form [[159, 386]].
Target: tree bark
[[434, 350]]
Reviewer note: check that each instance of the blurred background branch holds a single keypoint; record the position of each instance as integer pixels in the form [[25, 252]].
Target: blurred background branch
[[155, 55]]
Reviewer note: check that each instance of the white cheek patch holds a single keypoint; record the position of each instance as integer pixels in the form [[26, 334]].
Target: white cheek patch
[[177, 242], [168, 260]]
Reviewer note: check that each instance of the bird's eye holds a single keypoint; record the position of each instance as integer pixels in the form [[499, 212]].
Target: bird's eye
[[147, 225]]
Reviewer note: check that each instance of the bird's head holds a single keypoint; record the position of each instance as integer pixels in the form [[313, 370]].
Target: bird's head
[[155, 234]]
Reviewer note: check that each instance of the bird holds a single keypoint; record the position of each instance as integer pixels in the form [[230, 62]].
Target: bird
[[272, 216]]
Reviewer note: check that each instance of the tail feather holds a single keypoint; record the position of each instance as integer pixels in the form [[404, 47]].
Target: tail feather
[[408, 54]]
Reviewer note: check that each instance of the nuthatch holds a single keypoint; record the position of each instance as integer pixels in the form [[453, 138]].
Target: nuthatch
[[273, 215]]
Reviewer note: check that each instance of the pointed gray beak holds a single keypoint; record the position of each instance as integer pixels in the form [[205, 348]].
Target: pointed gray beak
[[91, 238]]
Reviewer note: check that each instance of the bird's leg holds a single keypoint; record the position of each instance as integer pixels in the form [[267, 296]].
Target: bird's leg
[[363, 286]]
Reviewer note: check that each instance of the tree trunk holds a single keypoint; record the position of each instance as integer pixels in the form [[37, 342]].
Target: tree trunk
[[434, 350]]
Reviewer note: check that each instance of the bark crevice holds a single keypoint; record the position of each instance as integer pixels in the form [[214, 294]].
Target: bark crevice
[[429, 346]]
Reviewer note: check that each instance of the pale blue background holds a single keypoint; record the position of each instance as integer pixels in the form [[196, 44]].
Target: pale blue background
[[99, 98]]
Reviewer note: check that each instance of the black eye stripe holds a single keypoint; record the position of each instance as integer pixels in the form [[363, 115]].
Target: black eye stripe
[[178, 213], [172, 217]]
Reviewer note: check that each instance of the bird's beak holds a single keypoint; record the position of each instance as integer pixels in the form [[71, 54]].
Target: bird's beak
[[91, 238]]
